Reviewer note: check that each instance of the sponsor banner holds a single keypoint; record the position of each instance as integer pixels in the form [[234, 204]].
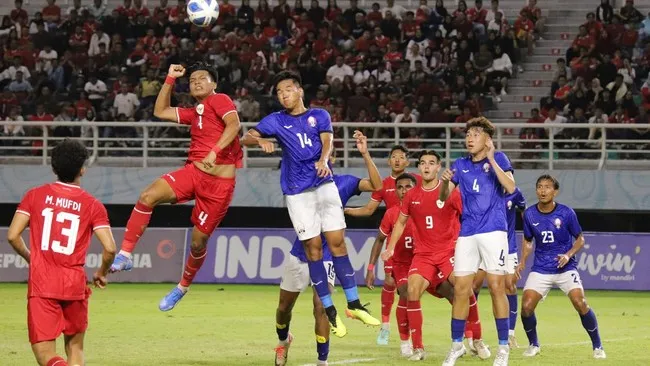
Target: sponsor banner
[[158, 257]]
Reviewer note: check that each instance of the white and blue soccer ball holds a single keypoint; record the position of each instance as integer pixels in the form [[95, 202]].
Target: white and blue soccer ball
[[203, 13]]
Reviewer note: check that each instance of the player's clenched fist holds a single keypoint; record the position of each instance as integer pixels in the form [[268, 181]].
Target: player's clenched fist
[[176, 71], [362, 141], [266, 145], [447, 175]]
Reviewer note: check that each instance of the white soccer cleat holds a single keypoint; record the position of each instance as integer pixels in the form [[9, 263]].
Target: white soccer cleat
[[406, 349], [321, 363], [282, 351], [532, 351], [457, 351], [480, 349], [502, 356], [418, 355], [512, 342], [470, 345], [599, 353]]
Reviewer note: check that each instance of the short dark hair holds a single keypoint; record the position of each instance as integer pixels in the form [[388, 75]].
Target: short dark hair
[[202, 66], [481, 122], [286, 75], [407, 176], [398, 148], [429, 152], [556, 183], [68, 157]]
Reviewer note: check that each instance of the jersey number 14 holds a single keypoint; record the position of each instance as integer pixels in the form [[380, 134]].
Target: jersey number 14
[[304, 140], [70, 232]]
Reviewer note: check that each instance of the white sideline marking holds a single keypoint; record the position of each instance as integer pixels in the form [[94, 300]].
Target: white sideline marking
[[346, 362], [605, 341]]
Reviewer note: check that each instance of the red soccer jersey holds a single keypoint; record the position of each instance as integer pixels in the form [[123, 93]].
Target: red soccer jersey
[[207, 124], [387, 192], [404, 248], [62, 218], [437, 223]]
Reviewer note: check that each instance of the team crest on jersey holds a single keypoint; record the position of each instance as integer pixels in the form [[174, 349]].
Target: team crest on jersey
[[557, 222], [200, 109], [486, 167], [509, 205], [312, 121], [440, 203]]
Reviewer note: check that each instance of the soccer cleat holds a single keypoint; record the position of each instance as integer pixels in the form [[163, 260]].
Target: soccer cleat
[[512, 342], [457, 351], [480, 349], [171, 299], [599, 353], [406, 349], [361, 313], [382, 338], [121, 263], [336, 324], [321, 363], [502, 356], [532, 351], [282, 351], [418, 355]]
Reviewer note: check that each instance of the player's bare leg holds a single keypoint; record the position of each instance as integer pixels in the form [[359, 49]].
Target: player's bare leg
[[74, 349], [345, 274], [45, 353], [511, 293], [479, 280], [401, 313], [588, 320], [529, 302], [416, 287], [156, 193], [282, 321], [195, 259], [387, 299], [321, 329]]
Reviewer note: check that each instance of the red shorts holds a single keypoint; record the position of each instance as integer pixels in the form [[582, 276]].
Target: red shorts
[[212, 195], [388, 267], [400, 274], [434, 271], [48, 318]]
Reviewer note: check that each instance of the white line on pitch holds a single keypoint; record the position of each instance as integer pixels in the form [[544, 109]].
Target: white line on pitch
[[346, 362], [605, 341]]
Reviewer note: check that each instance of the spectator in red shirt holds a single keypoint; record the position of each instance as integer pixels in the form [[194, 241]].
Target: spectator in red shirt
[[374, 17], [535, 15], [561, 95], [52, 13], [594, 27], [18, 13], [585, 40], [126, 9], [477, 16], [162, 8], [140, 9], [524, 30]]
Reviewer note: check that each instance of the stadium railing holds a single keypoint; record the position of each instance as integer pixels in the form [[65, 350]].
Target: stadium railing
[[613, 149]]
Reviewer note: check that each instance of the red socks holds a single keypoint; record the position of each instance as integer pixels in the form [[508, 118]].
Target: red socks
[[194, 263], [415, 323], [473, 322], [57, 361], [402, 319], [136, 225], [387, 300]]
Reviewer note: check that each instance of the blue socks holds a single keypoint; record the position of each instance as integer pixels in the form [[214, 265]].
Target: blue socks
[[502, 330], [530, 326], [590, 324], [512, 300], [345, 274], [322, 347], [318, 276], [457, 329]]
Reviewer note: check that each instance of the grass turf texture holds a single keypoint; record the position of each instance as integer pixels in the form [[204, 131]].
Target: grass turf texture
[[235, 325]]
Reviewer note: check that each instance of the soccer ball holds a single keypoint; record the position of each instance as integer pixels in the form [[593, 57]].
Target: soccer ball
[[203, 13]]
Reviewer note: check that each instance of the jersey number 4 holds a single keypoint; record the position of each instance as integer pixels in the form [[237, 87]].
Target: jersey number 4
[[475, 186], [71, 232], [304, 140]]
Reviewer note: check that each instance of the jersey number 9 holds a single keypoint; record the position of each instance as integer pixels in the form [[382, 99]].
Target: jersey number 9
[[429, 222]]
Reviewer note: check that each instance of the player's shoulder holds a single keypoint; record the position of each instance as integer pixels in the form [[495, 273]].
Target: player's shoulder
[[564, 209], [217, 97], [530, 211], [318, 113], [462, 161], [392, 213], [274, 117]]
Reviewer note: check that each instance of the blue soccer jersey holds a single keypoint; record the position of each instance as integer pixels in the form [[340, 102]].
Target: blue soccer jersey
[[554, 234], [482, 194], [299, 138], [513, 202], [348, 186]]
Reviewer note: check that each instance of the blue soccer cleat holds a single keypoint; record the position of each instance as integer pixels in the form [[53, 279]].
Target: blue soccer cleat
[[171, 299], [121, 263]]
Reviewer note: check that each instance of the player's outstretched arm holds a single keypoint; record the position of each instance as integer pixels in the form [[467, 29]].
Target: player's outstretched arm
[[374, 255], [254, 138], [14, 234], [162, 109], [398, 230], [447, 185], [373, 182], [105, 237], [363, 211]]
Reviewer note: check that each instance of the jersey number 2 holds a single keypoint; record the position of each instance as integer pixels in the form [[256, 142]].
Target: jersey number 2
[[408, 242], [475, 186], [71, 232], [304, 140]]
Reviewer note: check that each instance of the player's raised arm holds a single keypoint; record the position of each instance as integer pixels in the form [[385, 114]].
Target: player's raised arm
[[363, 211], [254, 138], [506, 179], [447, 185], [374, 255], [373, 183], [398, 230], [14, 234], [105, 237], [163, 109]]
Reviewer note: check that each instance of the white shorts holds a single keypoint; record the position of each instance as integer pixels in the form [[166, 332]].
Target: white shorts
[[491, 249], [511, 264], [542, 283], [316, 211], [296, 275]]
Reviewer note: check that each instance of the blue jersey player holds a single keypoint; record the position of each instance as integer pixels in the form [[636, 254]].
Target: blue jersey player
[[514, 202], [484, 176], [296, 273], [313, 202], [557, 235]]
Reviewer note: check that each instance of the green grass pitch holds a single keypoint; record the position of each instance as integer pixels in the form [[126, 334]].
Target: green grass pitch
[[234, 325]]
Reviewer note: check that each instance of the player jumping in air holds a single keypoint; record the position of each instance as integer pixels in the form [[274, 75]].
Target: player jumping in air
[[208, 177], [558, 238], [313, 202], [401, 261], [398, 162], [61, 217], [296, 273], [513, 202], [482, 177], [436, 226]]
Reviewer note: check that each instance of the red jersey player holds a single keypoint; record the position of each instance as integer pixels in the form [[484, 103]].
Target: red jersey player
[[401, 260], [398, 162], [208, 177], [61, 218], [436, 227]]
